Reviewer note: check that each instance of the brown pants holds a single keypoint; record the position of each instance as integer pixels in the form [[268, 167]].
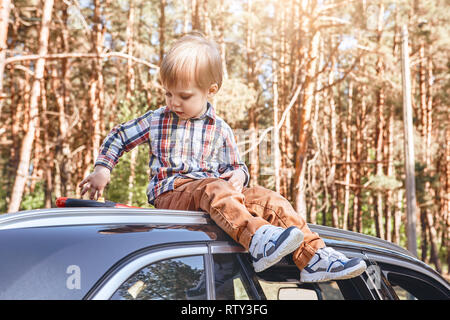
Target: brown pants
[[240, 214]]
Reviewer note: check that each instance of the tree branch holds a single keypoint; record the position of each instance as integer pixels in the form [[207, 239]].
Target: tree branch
[[342, 78], [79, 55]]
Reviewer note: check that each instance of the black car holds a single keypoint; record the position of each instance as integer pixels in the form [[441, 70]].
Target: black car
[[127, 253]]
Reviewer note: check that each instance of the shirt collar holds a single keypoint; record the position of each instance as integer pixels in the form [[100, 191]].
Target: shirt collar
[[210, 112]]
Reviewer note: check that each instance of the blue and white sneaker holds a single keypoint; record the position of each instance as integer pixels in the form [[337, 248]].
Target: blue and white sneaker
[[329, 264], [270, 244]]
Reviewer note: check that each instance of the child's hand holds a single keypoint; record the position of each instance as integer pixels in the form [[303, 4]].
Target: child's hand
[[236, 178], [95, 182]]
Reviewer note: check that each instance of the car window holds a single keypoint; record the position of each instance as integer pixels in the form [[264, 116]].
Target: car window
[[289, 290], [228, 278], [411, 288], [173, 279], [412, 285], [402, 294]]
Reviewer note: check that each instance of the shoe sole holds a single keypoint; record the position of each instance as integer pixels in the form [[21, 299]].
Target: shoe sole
[[293, 242], [342, 275]]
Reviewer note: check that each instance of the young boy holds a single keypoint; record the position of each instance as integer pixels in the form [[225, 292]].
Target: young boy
[[195, 165]]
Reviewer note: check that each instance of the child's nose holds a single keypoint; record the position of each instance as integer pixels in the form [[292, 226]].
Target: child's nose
[[175, 107], [175, 103]]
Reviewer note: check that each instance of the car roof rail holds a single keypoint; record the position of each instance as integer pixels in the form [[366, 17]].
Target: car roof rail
[[95, 216]]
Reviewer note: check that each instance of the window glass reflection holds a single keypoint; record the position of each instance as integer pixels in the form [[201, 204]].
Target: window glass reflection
[[172, 279], [228, 280]]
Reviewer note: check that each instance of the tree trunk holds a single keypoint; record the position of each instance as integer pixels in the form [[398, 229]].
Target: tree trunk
[[37, 150], [185, 16], [359, 170], [434, 254], [222, 44], [304, 127], [398, 194], [380, 128], [398, 217], [429, 191], [379, 158], [317, 172], [276, 133], [129, 92], [447, 191], [333, 149], [162, 28], [287, 83], [17, 100], [62, 144], [282, 57], [348, 150], [195, 16], [67, 174], [424, 235], [206, 20], [18, 118], [253, 121], [96, 89], [129, 40], [390, 173], [47, 152], [27, 142], [5, 7], [423, 127]]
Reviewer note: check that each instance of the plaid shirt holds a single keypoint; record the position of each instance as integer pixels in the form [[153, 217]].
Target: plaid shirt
[[194, 148]]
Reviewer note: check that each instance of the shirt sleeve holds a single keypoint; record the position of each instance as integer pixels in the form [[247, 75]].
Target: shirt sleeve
[[231, 159], [123, 138]]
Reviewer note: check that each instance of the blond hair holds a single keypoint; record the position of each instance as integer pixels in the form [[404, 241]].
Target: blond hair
[[192, 58]]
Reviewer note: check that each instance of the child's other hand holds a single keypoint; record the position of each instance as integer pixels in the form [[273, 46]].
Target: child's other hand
[[95, 182], [236, 178]]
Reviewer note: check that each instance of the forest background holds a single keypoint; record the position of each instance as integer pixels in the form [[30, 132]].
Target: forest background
[[312, 90]]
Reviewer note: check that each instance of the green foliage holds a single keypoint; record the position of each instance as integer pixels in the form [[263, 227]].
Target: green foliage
[[233, 100], [34, 200], [422, 178], [119, 187], [3, 195], [383, 183]]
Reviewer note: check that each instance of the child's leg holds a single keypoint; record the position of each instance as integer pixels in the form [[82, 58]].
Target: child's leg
[[278, 211], [216, 196]]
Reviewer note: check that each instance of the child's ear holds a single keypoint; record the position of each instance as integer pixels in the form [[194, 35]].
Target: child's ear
[[213, 89]]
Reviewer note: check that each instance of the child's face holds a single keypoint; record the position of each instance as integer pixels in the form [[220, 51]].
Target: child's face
[[189, 102]]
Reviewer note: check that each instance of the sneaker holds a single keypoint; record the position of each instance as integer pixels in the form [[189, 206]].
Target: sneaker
[[270, 244], [329, 264]]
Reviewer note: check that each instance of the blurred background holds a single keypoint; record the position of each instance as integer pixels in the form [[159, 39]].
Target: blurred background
[[312, 89]]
